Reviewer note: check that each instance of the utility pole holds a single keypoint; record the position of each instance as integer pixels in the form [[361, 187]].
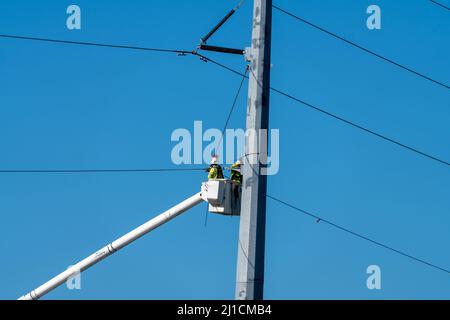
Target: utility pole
[[251, 246]]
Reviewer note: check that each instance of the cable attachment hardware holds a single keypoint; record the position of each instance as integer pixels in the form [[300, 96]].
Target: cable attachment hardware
[[204, 39], [248, 56]]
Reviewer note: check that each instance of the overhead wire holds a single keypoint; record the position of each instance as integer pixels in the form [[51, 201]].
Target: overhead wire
[[362, 128], [348, 122], [362, 48], [233, 105], [359, 235], [100, 170], [95, 44], [244, 75], [230, 112], [440, 4]]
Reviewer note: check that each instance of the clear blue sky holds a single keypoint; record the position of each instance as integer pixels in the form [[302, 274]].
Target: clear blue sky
[[66, 106]]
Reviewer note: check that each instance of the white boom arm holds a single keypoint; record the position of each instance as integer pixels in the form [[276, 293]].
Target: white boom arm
[[113, 247]]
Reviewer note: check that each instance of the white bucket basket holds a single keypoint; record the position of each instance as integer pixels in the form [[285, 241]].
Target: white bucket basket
[[223, 196]]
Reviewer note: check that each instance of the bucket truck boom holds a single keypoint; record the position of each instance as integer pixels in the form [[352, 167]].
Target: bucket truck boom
[[220, 195], [114, 246]]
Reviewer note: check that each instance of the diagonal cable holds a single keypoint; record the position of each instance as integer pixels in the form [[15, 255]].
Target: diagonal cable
[[440, 4], [348, 122], [362, 48], [101, 170], [244, 76], [94, 44], [359, 235]]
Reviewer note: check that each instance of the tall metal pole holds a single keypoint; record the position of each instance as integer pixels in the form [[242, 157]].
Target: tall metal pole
[[251, 246]]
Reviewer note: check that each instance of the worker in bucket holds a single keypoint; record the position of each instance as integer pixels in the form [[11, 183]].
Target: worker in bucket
[[236, 175], [214, 170], [236, 178]]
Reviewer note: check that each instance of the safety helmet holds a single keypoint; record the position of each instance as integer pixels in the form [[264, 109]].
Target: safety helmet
[[214, 160], [239, 162]]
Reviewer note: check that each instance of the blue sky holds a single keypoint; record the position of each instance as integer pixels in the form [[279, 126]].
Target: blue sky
[[65, 106]]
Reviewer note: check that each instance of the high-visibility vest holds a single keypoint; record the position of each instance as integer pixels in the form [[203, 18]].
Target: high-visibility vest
[[236, 176], [215, 172]]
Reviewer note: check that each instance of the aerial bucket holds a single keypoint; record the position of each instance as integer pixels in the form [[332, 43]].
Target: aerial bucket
[[223, 196]]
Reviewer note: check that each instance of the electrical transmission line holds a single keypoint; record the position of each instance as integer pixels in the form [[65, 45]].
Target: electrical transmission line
[[95, 44], [440, 4], [362, 48], [360, 127], [309, 105], [244, 76], [348, 122], [101, 170], [356, 234]]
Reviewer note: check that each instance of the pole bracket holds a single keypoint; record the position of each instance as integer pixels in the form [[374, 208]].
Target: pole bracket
[[221, 49]]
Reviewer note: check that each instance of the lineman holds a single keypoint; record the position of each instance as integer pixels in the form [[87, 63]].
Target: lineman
[[236, 178], [236, 175], [214, 170]]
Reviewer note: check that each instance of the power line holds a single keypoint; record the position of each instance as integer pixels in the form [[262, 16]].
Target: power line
[[356, 234], [234, 101], [362, 48], [205, 58], [355, 125], [95, 44], [348, 122], [440, 4], [181, 52], [244, 76], [101, 170], [238, 73]]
